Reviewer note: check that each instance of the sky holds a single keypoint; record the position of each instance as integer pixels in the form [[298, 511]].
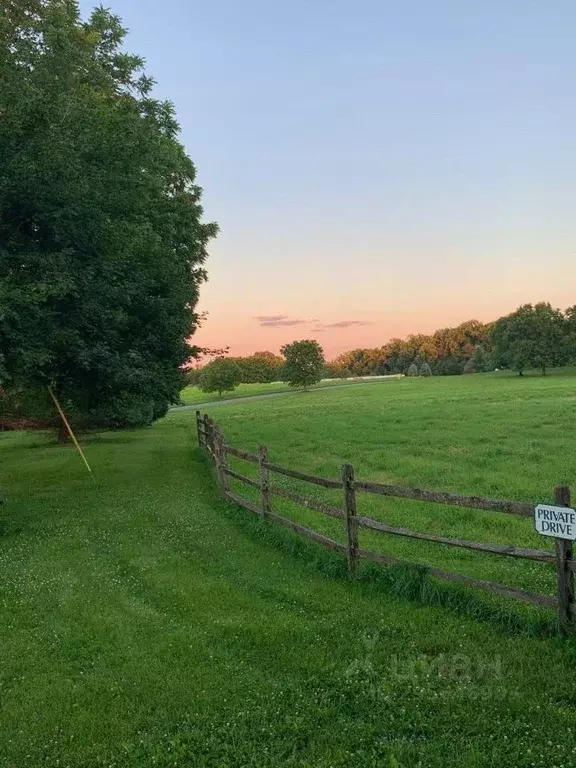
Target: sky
[[377, 167]]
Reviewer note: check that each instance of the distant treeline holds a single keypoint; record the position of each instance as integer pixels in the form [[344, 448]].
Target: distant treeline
[[448, 351], [259, 368], [534, 336]]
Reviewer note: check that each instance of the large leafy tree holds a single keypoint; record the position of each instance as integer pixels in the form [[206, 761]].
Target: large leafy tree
[[532, 336], [102, 242], [304, 364]]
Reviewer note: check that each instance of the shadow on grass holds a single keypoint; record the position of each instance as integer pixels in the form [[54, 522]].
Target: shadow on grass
[[404, 580]]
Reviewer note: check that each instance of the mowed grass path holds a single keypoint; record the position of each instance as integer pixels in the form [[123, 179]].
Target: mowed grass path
[[193, 395], [500, 436], [145, 622]]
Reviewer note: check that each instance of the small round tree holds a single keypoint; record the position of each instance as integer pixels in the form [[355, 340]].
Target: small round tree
[[425, 370], [412, 370], [304, 364], [221, 375]]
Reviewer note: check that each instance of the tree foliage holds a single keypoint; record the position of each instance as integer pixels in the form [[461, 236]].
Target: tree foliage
[[260, 368], [571, 333], [102, 243], [483, 359], [304, 364], [532, 336], [334, 370], [412, 370], [221, 375], [192, 376]]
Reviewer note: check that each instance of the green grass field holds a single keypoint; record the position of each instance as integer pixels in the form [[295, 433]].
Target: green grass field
[[193, 395], [493, 435], [146, 622]]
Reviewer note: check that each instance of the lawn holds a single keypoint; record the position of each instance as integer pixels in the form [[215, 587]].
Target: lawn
[[146, 622], [194, 396]]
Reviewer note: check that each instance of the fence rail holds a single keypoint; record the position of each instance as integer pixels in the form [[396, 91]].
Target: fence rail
[[472, 502], [212, 439]]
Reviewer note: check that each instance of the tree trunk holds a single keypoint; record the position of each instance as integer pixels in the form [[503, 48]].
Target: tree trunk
[[63, 436], [543, 370]]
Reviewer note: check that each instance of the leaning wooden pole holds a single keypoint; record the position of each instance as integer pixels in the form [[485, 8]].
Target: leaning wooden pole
[[69, 429]]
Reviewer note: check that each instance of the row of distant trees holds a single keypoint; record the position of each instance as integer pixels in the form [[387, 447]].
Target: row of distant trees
[[534, 336], [259, 368], [302, 364]]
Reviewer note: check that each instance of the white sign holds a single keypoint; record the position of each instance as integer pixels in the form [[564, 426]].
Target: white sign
[[559, 522]]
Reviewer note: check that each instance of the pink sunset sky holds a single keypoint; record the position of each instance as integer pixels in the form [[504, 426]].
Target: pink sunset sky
[[377, 168], [345, 307]]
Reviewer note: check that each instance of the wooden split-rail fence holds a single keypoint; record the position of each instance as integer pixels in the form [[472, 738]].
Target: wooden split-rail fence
[[211, 438]]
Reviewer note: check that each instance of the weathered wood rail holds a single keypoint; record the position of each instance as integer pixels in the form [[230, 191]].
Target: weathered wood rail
[[212, 439]]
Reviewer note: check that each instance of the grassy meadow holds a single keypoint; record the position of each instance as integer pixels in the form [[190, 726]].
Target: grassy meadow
[[147, 622]]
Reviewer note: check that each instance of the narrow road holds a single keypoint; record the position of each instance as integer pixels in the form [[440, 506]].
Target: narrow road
[[287, 393]]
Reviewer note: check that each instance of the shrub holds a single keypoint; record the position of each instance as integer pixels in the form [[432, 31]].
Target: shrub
[[425, 370], [412, 370], [449, 366]]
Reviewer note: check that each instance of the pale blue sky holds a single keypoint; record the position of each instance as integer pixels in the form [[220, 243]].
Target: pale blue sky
[[410, 164]]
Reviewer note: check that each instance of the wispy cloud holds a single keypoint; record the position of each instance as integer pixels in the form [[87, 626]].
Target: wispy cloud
[[346, 323], [276, 323], [279, 321], [270, 318]]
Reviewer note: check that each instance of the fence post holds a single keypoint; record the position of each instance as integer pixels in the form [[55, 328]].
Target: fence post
[[208, 435], [223, 461], [198, 419], [264, 479], [219, 457], [350, 510], [213, 442], [564, 552]]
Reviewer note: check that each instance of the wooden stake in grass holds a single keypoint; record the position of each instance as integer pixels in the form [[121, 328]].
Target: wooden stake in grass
[[69, 429]]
